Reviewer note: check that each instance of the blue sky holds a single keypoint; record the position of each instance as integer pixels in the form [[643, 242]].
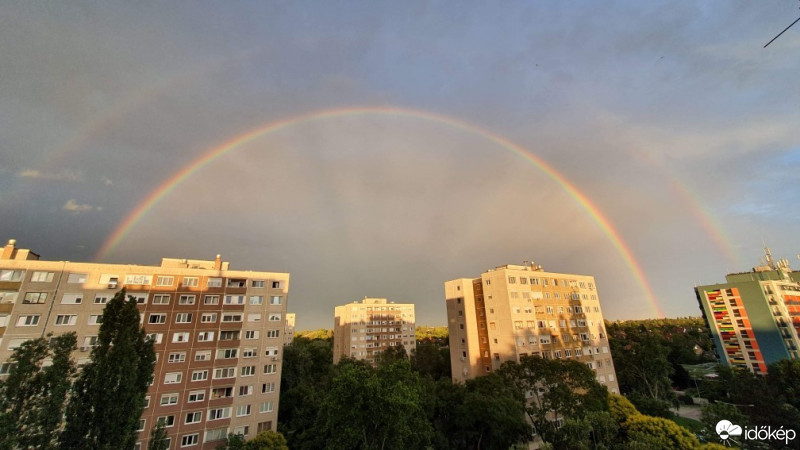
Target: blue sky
[[670, 117]]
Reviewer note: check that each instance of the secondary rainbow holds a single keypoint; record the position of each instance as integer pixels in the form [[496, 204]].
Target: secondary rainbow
[[166, 187]]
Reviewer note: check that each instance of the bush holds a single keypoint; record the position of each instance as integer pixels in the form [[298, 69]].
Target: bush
[[686, 399]]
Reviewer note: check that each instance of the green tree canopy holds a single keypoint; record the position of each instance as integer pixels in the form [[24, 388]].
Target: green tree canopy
[[108, 396]]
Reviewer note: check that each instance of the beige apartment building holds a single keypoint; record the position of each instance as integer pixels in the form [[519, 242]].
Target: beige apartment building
[[218, 334], [288, 333], [362, 330], [513, 311]]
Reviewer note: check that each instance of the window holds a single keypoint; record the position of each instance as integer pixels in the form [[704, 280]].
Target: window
[[71, 299], [73, 278], [227, 353], [183, 318], [214, 282], [190, 439], [265, 407], [161, 299], [147, 402], [228, 317], [512, 280], [254, 317], [89, 341], [242, 410], [208, 318], [224, 372], [186, 300], [193, 417], [251, 334], [273, 333], [196, 396], [8, 297], [101, 299], [211, 300], [271, 351], [34, 297], [256, 299], [42, 277], [245, 390], [199, 375], [202, 355], [173, 377], [190, 281], [237, 283], [257, 283], [157, 318], [274, 317], [168, 421], [205, 336], [275, 300], [228, 335], [270, 368], [234, 299], [180, 336], [249, 353], [248, 371], [267, 388], [140, 297], [169, 399], [140, 425], [177, 357], [223, 392], [217, 434], [66, 319], [276, 285], [155, 337], [11, 275], [30, 320], [165, 281]]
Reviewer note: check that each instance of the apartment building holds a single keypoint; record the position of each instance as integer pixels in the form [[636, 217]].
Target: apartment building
[[288, 333], [218, 334], [362, 330], [754, 317], [517, 310]]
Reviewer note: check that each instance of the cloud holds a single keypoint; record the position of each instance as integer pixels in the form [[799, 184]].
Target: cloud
[[64, 175], [76, 207]]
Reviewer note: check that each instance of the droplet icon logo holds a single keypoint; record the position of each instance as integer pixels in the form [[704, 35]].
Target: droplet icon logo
[[725, 429]]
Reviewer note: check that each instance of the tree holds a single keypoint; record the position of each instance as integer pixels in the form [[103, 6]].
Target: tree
[[108, 397], [267, 440], [366, 408], [32, 398], [158, 437], [659, 433], [558, 389]]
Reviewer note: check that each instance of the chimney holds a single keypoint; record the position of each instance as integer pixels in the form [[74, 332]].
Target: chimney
[[10, 249], [218, 263]]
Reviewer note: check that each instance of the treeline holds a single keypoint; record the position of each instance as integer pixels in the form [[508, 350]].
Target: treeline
[[410, 402]]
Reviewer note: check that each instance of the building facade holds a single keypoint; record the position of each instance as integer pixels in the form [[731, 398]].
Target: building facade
[[514, 311], [754, 317], [288, 334], [362, 330], [218, 334]]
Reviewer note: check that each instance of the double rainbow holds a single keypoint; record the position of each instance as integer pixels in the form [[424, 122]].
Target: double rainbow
[[190, 169]]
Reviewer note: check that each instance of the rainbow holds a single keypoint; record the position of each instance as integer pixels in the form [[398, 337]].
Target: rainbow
[[209, 156]]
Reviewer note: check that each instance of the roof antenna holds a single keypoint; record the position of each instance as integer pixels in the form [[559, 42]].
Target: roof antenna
[[784, 31]]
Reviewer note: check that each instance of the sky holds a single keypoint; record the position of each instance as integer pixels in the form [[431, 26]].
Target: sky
[[379, 149]]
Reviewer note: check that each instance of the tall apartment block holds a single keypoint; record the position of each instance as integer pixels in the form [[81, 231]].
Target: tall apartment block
[[288, 333], [513, 311], [754, 317], [362, 330], [218, 334]]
